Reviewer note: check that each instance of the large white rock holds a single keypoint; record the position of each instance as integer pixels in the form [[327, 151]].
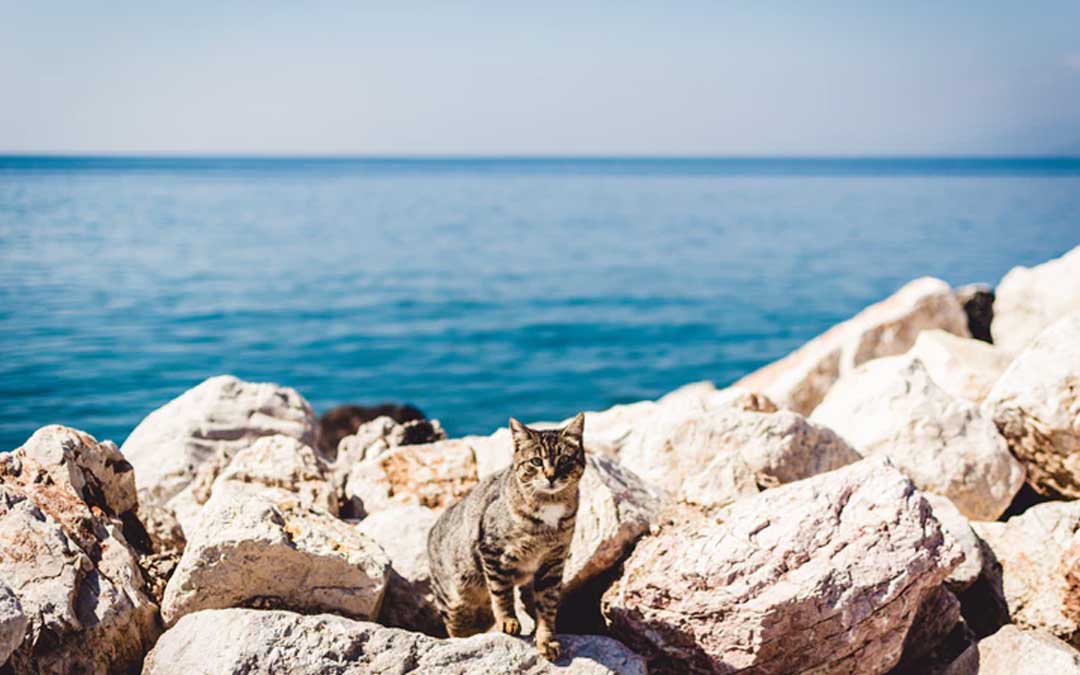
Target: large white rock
[[64, 554], [714, 456], [253, 641], [892, 407], [1036, 406], [1030, 299], [801, 379], [1037, 572], [263, 547], [402, 533], [963, 367], [822, 575], [1017, 651], [215, 419], [12, 622], [958, 528]]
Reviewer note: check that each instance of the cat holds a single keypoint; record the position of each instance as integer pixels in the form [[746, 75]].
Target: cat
[[512, 530]]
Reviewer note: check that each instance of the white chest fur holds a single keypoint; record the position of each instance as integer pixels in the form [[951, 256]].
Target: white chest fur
[[551, 514]]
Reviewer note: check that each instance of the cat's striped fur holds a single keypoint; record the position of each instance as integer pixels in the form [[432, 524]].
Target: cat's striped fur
[[512, 530]]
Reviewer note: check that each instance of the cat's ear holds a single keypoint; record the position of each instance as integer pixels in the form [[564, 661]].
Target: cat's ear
[[575, 429], [521, 433]]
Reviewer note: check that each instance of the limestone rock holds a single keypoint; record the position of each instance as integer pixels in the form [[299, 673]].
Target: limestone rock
[[402, 533], [801, 379], [215, 419], [63, 552], [1036, 569], [1036, 406], [614, 511], [1017, 651], [373, 439], [434, 475], [239, 640], [957, 527], [978, 303], [963, 367], [1030, 299], [712, 457], [892, 407], [12, 622], [346, 420], [825, 573], [263, 547]]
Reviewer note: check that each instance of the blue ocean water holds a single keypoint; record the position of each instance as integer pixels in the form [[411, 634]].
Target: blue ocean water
[[474, 289]]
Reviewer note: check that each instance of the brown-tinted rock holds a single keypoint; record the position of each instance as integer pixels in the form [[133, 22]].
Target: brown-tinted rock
[[825, 573]]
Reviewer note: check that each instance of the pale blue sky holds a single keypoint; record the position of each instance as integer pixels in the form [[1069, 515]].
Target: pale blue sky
[[624, 78]]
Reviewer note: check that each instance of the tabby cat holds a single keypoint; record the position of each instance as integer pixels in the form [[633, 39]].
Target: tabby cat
[[512, 530]]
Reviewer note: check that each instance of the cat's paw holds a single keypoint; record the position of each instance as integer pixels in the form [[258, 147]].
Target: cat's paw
[[549, 648], [510, 626]]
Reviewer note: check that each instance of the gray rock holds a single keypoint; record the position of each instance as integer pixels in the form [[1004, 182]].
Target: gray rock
[[892, 407], [801, 379], [1030, 299], [263, 547], [1036, 406], [12, 622], [825, 573], [64, 554], [249, 641], [207, 425], [978, 303]]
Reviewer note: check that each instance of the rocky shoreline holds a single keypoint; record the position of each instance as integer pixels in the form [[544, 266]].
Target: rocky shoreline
[[894, 496]]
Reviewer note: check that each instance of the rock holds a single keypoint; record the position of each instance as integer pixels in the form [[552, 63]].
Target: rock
[[1016, 651], [12, 622], [402, 532], [346, 420], [63, 498], [892, 407], [1036, 406], [957, 527], [433, 475], [243, 640], [963, 367], [262, 547], [614, 511], [801, 379], [825, 573], [978, 303], [938, 616], [173, 446], [713, 457], [1030, 299], [1032, 550]]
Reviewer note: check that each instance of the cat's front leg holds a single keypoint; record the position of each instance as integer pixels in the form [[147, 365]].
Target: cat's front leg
[[500, 585], [547, 589]]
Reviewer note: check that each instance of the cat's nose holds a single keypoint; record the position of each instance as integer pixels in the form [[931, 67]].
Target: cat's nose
[[550, 478]]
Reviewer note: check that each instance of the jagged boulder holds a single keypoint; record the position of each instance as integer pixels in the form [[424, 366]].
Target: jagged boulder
[[963, 367], [825, 573], [199, 431], [1036, 406], [892, 407], [1032, 566], [402, 533], [263, 547], [12, 622], [64, 499], [1030, 299], [801, 379], [433, 475], [958, 528], [343, 421], [244, 640]]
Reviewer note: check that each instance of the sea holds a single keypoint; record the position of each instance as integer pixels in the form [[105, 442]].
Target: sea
[[473, 288]]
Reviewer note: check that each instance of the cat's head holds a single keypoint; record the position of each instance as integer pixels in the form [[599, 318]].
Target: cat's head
[[548, 461]]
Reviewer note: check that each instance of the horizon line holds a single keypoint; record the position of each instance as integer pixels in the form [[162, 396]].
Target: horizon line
[[524, 156]]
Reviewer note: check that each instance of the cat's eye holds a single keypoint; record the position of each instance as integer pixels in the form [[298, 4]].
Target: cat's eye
[[536, 461]]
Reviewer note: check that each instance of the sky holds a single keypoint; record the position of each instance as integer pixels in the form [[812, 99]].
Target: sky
[[484, 78]]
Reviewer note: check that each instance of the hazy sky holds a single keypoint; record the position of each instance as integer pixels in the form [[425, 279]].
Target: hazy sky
[[708, 78]]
